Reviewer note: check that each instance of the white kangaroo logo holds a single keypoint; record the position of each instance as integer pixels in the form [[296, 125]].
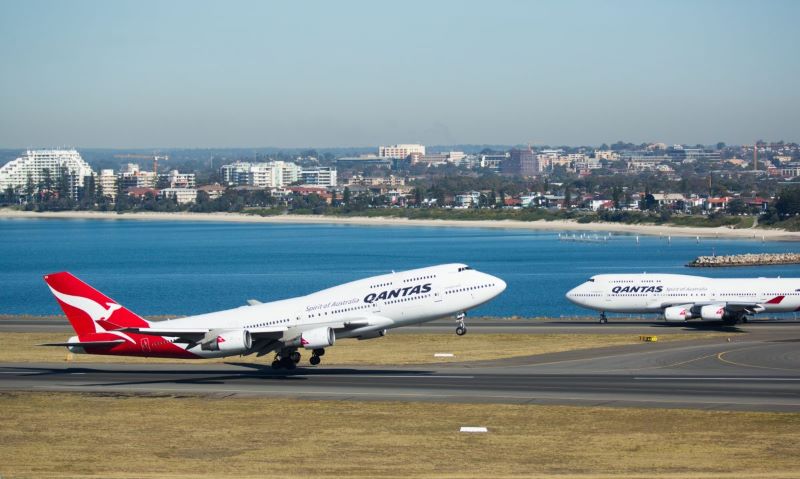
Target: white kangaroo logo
[[93, 309]]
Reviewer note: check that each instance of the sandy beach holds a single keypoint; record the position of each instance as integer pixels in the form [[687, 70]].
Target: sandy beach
[[560, 225]]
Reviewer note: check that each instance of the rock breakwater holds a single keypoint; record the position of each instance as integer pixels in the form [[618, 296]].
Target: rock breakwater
[[749, 259]]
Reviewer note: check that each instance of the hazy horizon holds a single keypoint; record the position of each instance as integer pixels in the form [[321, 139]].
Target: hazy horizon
[[181, 74]]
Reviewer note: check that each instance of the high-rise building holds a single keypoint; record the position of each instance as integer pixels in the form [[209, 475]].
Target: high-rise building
[[319, 176], [107, 182], [39, 166], [522, 161], [401, 150]]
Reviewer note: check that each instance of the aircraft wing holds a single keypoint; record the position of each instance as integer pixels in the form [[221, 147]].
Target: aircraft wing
[[367, 321], [88, 344], [733, 306], [193, 335], [273, 332]]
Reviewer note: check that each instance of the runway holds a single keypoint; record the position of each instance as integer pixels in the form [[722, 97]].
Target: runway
[[760, 372]]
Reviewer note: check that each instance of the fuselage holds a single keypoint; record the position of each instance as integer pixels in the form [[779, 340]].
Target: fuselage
[[357, 309], [652, 293]]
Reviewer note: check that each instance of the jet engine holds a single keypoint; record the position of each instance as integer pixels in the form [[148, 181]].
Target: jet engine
[[678, 313], [317, 338], [234, 341], [712, 311], [372, 334]]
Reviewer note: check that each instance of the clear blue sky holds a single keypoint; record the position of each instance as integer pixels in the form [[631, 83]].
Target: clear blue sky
[[342, 73]]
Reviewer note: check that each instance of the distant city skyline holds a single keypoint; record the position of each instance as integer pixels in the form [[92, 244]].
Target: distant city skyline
[[146, 74]]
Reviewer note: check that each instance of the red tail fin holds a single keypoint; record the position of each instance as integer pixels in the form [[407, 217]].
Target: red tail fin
[[88, 310]]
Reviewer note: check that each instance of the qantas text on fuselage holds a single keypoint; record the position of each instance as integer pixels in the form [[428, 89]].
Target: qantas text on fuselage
[[362, 309], [681, 297]]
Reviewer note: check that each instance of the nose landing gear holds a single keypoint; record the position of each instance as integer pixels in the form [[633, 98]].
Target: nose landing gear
[[461, 328], [603, 318]]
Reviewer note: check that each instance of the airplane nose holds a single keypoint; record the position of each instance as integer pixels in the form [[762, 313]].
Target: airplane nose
[[499, 284], [572, 296]]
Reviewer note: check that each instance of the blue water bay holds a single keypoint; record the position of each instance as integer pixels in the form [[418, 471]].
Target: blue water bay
[[158, 267]]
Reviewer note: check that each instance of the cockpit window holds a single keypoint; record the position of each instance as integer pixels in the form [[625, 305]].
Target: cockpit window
[[591, 280], [463, 268]]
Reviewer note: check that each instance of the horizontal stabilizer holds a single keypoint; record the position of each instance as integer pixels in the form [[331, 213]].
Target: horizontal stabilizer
[[88, 344]]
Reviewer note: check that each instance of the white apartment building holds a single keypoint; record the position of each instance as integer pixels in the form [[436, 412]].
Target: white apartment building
[[494, 162], [608, 155], [133, 177], [273, 174], [182, 195], [176, 179], [37, 165], [107, 181], [319, 176], [400, 151]]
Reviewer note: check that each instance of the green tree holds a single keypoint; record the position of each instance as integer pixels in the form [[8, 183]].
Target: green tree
[[788, 203], [616, 192], [737, 207], [346, 196]]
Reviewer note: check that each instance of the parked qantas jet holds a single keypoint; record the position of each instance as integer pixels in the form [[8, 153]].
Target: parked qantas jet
[[680, 297], [362, 309]]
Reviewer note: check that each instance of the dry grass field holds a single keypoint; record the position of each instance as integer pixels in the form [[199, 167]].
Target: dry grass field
[[80, 435], [391, 349]]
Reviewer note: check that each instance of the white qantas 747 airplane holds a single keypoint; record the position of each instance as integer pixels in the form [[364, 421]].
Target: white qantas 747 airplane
[[680, 297], [362, 309]]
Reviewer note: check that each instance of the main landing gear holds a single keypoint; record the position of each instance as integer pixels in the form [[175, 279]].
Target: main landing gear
[[288, 360], [315, 356], [461, 329], [603, 318]]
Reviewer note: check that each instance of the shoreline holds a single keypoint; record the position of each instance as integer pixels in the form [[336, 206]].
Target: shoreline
[[540, 225]]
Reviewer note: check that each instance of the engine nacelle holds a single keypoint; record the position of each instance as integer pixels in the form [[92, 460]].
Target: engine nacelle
[[233, 341], [712, 311], [678, 313], [317, 338], [372, 334]]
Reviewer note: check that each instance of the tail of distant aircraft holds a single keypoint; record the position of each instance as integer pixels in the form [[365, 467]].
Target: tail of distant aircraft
[[88, 310]]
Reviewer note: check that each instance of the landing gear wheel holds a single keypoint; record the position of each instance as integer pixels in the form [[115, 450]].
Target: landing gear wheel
[[314, 360], [318, 352], [276, 364], [603, 318], [288, 363], [461, 329], [295, 357]]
